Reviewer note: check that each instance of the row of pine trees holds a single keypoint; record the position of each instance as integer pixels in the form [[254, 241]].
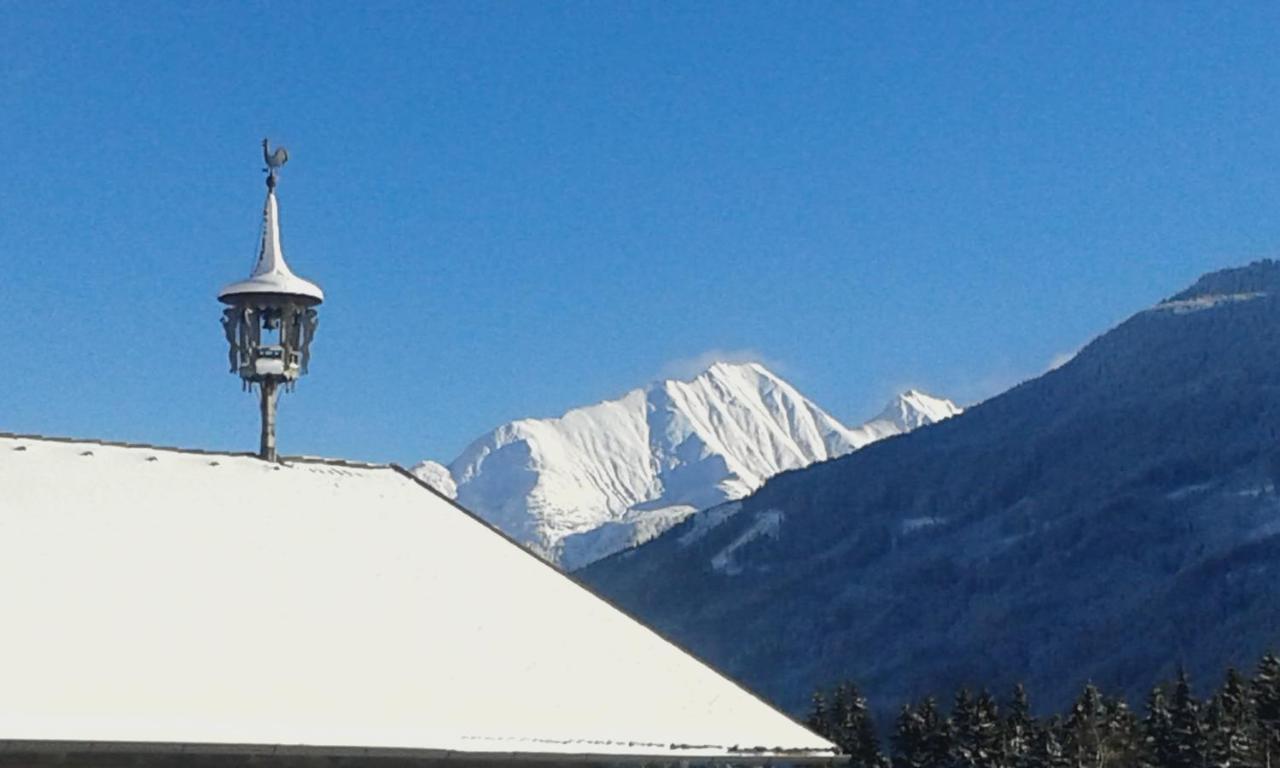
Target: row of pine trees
[[1237, 727]]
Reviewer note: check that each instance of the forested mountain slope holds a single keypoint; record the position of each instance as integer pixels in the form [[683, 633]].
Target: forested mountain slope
[[1104, 522]]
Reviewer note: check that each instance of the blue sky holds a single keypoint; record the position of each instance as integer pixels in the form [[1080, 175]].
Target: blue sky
[[515, 208]]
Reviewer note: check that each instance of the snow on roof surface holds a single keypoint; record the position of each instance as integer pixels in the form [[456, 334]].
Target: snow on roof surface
[[155, 595]]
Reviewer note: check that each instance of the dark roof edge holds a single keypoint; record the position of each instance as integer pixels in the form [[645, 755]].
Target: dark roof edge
[[69, 747]]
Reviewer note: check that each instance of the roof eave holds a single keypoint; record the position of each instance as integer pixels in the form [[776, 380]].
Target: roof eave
[[10, 747]]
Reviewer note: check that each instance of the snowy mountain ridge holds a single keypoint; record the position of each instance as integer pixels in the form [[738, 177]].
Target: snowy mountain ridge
[[611, 475]]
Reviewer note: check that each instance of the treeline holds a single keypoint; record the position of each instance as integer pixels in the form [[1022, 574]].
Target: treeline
[[1237, 727]]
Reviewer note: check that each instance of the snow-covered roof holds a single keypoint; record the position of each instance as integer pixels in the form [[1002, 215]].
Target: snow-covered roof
[[271, 275], [206, 601]]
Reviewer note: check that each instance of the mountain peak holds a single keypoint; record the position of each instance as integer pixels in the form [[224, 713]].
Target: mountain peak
[[907, 411], [611, 475], [748, 370], [729, 365]]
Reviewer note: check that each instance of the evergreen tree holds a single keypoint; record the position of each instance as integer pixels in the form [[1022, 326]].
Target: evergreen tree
[[936, 743], [964, 746], [1216, 732], [1017, 731], [1100, 732], [847, 723], [1188, 742], [1266, 702], [858, 733], [1121, 734], [909, 740], [835, 712], [1084, 736], [1231, 729], [1157, 748], [988, 750], [1047, 751], [819, 719], [975, 738]]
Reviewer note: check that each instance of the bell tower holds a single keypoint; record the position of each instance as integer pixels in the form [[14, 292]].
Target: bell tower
[[271, 317]]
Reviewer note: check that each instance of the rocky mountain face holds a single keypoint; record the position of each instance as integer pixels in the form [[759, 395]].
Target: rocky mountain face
[[1105, 522], [609, 476]]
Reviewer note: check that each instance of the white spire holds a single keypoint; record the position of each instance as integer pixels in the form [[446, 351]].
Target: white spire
[[271, 275]]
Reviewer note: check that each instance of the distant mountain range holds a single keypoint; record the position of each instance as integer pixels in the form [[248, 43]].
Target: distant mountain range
[[612, 475], [1105, 522]]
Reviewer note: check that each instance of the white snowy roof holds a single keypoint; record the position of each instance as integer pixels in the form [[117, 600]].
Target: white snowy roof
[[216, 601], [271, 275]]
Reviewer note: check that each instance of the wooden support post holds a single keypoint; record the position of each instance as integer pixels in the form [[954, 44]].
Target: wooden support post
[[267, 449]]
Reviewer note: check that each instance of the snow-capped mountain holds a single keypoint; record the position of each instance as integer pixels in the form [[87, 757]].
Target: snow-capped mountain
[[607, 476], [910, 410]]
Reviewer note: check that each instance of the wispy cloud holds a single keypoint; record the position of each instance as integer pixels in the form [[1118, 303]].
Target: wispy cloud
[[971, 391], [1003, 377], [1060, 359], [689, 367]]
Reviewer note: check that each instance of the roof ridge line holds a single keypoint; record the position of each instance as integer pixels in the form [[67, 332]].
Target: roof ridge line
[[120, 444], [353, 463]]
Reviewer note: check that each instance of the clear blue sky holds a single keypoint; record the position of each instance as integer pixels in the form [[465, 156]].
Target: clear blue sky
[[520, 207]]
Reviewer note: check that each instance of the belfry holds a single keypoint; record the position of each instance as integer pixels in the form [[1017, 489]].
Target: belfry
[[272, 318]]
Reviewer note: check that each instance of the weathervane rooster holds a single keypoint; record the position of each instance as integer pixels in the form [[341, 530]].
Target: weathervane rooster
[[274, 160]]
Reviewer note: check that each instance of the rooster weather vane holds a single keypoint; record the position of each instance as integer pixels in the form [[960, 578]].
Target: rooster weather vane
[[274, 160]]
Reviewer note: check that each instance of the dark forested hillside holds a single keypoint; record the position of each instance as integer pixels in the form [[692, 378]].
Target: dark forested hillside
[[1104, 522]]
